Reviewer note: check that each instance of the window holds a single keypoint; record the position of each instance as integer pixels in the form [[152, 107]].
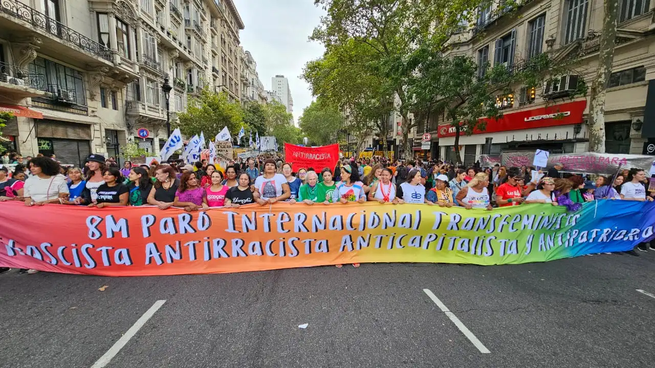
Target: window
[[51, 9], [576, 18], [60, 80], [629, 76], [103, 97], [133, 91], [179, 106], [149, 47], [504, 53], [114, 100], [629, 9], [484, 16], [152, 92], [123, 37], [188, 42], [483, 60], [536, 36], [527, 95], [146, 6], [505, 102], [103, 29]]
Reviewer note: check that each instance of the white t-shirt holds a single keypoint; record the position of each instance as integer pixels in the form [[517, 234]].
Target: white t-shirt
[[413, 193], [537, 195], [270, 188], [93, 189], [45, 189], [632, 190]]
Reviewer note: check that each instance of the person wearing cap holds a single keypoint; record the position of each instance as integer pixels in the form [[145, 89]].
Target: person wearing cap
[[544, 192], [510, 193], [589, 189], [96, 167], [441, 194]]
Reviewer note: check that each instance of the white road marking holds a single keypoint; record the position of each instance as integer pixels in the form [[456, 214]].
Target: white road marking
[[483, 349], [111, 353], [646, 293]]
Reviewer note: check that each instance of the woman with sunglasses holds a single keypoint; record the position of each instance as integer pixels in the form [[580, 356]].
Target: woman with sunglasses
[[510, 193], [190, 195], [544, 194]]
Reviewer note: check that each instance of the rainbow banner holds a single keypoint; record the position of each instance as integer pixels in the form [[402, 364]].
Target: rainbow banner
[[146, 241]]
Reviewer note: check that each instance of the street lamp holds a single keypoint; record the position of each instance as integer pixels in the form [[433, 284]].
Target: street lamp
[[166, 88]]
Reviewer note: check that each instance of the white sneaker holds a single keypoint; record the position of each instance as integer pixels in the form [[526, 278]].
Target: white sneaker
[[32, 271]]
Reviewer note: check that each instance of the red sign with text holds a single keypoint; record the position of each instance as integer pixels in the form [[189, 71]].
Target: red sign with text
[[562, 114], [317, 158]]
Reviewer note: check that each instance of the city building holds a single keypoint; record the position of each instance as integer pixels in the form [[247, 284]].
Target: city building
[[252, 89], [85, 76], [272, 96], [280, 85], [546, 116]]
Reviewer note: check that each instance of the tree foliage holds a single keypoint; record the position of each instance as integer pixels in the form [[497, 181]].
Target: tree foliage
[[210, 113], [131, 150], [4, 117], [254, 116], [321, 123]]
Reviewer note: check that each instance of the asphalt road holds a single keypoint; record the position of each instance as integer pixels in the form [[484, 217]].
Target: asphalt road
[[582, 312]]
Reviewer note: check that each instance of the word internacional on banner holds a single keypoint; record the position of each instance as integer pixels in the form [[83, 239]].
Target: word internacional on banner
[[315, 157], [146, 241]]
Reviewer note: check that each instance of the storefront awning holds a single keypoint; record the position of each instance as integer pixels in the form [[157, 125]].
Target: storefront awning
[[65, 116], [21, 111]]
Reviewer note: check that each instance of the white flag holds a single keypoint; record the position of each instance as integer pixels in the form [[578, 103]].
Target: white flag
[[212, 152], [250, 142], [191, 153], [257, 140], [242, 132], [173, 144], [224, 135], [202, 140]]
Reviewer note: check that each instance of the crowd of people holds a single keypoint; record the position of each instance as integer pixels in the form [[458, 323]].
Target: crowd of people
[[268, 180]]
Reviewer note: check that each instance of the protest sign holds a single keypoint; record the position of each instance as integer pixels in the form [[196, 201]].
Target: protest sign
[[315, 157], [540, 158], [141, 241], [224, 148]]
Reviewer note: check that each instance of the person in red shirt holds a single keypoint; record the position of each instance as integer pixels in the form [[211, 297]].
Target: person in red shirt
[[510, 193]]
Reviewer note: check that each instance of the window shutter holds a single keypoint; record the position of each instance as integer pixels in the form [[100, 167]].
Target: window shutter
[[498, 52], [512, 48]]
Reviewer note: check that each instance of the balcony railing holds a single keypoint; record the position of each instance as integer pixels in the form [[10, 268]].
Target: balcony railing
[[12, 75], [41, 21], [151, 63], [175, 10], [215, 70], [190, 88]]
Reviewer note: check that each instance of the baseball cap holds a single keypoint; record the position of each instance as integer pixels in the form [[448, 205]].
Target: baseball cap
[[96, 158], [187, 167], [442, 177]]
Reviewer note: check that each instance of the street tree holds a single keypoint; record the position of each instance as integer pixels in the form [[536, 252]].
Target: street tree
[[254, 116], [321, 123], [599, 85], [209, 113]]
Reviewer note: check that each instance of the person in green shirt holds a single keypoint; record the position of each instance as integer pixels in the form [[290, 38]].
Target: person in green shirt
[[308, 192], [326, 188]]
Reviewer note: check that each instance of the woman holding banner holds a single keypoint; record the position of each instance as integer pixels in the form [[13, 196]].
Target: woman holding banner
[[383, 190], [271, 186], [190, 195], [544, 194], [476, 193], [113, 193], [441, 194], [231, 177], [216, 192], [349, 189], [412, 191], [242, 194], [326, 187], [45, 185], [163, 191], [308, 192], [292, 180], [139, 186], [633, 189]]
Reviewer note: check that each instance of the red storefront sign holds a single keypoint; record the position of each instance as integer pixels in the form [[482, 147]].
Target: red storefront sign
[[563, 114]]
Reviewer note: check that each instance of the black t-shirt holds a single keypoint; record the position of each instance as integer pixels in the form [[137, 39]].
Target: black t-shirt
[[167, 195], [107, 194], [553, 173], [240, 197]]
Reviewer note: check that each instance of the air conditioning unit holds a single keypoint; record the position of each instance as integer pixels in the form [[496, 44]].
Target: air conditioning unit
[[559, 87]]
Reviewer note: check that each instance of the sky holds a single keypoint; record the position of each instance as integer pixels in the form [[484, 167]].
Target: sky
[[276, 34]]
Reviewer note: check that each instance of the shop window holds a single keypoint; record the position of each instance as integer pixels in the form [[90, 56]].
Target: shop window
[[626, 77], [629, 9], [505, 102], [617, 137], [527, 95], [576, 19]]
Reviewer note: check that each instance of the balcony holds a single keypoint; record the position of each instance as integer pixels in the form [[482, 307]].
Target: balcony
[[21, 18], [204, 60], [16, 85], [142, 109], [179, 83], [190, 89], [175, 11], [216, 72], [152, 64]]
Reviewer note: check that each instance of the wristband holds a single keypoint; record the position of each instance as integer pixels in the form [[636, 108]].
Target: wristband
[[509, 200]]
